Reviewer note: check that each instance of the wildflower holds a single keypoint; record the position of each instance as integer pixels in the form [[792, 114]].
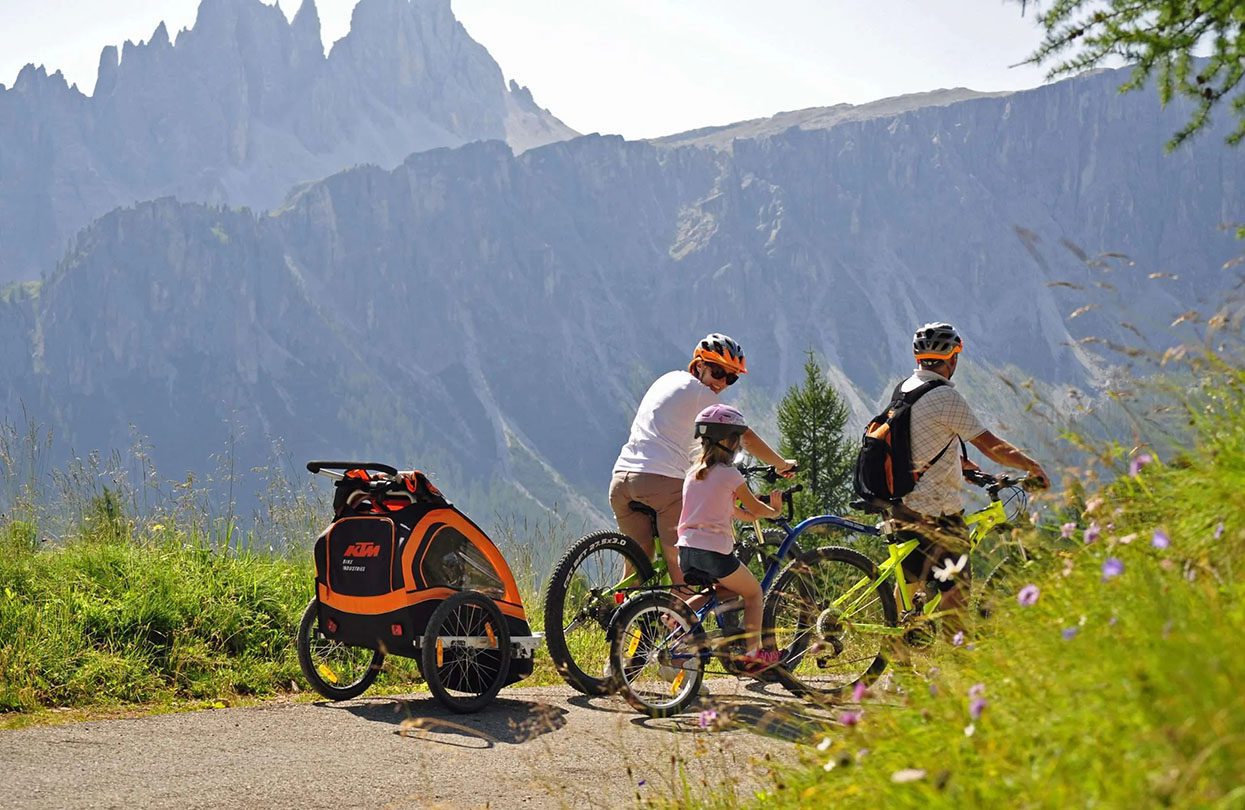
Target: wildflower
[[1067, 567], [1069, 633], [970, 730], [1028, 595], [1128, 538], [1139, 461], [977, 707], [1166, 565], [1219, 530], [933, 690], [1113, 567], [1091, 534], [824, 745], [1067, 530], [958, 639], [976, 690], [858, 691], [706, 718], [907, 775], [850, 718], [1093, 504], [829, 766], [1033, 517], [1111, 621], [952, 567], [1160, 540]]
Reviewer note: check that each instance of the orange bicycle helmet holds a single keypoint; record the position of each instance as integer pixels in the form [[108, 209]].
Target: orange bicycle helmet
[[721, 350]]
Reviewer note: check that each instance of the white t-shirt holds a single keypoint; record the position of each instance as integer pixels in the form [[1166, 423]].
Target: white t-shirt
[[663, 434], [940, 418]]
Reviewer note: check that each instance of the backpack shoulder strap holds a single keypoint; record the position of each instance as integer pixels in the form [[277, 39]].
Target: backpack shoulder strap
[[921, 390]]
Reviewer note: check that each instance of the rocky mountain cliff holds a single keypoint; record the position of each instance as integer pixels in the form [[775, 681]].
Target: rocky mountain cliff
[[496, 318], [239, 108]]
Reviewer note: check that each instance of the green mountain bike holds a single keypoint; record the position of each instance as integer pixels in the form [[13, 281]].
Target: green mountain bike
[[842, 609]]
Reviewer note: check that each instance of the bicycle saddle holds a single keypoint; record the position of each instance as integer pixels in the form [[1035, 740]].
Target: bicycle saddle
[[643, 509], [699, 578]]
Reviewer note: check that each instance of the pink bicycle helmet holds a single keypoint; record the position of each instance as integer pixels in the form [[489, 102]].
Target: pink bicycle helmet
[[718, 422]]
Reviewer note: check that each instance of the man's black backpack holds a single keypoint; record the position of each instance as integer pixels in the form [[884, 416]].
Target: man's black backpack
[[884, 471]]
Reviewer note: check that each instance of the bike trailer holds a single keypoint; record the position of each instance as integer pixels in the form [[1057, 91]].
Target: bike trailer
[[395, 551]]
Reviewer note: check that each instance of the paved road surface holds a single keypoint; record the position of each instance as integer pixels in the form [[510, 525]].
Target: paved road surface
[[533, 748]]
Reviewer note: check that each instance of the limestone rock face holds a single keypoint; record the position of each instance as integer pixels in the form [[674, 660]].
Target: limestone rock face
[[496, 318], [239, 108]]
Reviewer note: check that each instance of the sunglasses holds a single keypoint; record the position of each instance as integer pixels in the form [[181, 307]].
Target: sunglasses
[[719, 373]]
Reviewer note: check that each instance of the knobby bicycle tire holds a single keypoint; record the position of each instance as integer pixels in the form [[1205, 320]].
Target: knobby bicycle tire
[[593, 613], [803, 596]]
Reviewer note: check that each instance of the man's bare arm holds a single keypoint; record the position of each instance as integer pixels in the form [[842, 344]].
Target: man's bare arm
[[1002, 452], [755, 445]]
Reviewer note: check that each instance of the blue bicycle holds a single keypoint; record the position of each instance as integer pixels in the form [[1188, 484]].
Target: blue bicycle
[[660, 647]]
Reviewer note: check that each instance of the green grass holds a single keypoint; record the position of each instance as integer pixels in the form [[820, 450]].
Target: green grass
[[1109, 691]]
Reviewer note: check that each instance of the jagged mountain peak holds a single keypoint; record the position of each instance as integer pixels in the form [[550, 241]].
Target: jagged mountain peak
[[240, 107]]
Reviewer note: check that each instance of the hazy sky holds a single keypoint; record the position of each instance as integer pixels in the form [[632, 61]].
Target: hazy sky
[[640, 68]]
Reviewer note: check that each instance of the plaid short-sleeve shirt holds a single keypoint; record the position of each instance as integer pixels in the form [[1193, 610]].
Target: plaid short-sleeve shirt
[[941, 418]]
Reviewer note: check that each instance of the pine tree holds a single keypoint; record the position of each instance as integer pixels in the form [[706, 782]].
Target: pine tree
[[811, 418], [1156, 37]]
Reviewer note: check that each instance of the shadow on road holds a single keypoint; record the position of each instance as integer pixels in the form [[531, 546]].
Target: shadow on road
[[504, 721], [759, 708]]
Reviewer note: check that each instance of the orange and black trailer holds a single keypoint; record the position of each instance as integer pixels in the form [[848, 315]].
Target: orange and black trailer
[[400, 571]]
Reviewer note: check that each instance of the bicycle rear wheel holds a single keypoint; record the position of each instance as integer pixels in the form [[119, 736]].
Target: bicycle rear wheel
[[829, 622], [657, 653], [580, 601]]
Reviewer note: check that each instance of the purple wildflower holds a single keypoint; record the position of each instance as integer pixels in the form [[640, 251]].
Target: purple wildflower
[[1139, 461], [1161, 540], [1028, 595], [1113, 567], [977, 707], [858, 691], [1069, 633], [1091, 534], [850, 718], [1066, 531], [976, 690], [706, 718], [1219, 530], [1111, 621], [958, 639]]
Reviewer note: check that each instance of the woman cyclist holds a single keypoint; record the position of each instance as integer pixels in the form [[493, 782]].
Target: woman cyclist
[[654, 461], [706, 539]]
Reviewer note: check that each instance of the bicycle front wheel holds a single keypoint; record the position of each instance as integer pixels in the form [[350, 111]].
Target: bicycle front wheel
[[830, 621], [657, 653], [580, 601]]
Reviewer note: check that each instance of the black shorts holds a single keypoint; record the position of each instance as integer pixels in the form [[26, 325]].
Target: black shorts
[[940, 538], [701, 567]]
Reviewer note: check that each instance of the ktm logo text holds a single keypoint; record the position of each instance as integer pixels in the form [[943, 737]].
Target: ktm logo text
[[362, 550]]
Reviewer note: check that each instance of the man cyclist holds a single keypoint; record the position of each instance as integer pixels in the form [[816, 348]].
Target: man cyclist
[[654, 462], [933, 512]]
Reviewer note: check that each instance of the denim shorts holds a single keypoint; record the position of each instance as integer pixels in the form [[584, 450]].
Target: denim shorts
[[703, 567]]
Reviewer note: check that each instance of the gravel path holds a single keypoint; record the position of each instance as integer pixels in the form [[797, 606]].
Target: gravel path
[[533, 748]]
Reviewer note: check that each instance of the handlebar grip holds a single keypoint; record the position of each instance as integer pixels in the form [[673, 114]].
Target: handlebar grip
[[792, 490]]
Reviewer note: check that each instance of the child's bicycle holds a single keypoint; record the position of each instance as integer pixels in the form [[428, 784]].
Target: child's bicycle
[[829, 611], [400, 571], [593, 577]]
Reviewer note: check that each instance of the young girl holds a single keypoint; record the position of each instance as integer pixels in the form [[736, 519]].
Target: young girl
[[706, 540]]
